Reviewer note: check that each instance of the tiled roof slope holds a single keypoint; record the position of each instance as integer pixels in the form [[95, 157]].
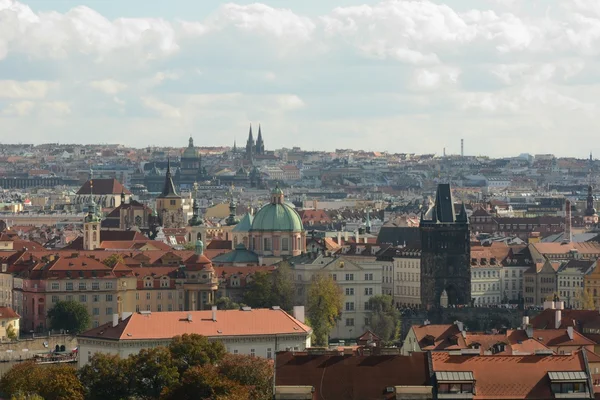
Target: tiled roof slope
[[165, 325]]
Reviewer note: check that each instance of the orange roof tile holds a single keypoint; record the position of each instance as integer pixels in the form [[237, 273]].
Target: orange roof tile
[[165, 325]]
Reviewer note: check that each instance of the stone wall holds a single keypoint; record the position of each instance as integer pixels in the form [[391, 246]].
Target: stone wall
[[27, 348]]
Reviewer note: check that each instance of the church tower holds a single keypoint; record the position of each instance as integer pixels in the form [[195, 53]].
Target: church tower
[[91, 222], [250, 146], [445, 253], [169, 204], [260, 145]]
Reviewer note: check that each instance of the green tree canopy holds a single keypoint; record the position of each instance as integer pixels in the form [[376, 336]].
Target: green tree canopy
[[384, 318], [103, 368], [225, 303], [585, 299], [52, 382], [11, 333], [206, 383], [153, 372], [113, 259], [70, 316], [195, 350], [283, 287], [259, 292], [271, 289], [324, 307], [253, 372]]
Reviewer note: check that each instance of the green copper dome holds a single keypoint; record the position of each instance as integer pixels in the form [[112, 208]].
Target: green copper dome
[[277, 217], [190, 151]]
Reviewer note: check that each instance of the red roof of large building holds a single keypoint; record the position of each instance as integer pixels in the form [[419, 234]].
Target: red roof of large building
[[166, 325], [103, 187]]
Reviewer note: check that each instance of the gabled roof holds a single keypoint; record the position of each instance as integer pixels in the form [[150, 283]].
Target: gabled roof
[[166, 325], [103, 187], [439, 337], [8, 313]]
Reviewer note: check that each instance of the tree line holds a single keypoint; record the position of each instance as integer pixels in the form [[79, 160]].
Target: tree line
[[190, 367]]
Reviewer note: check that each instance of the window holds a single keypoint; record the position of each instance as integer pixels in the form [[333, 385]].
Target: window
[[82, 286], [96, 324], [109, 311], [368, 291], [108, 285], [95, 285], [69, 286], [159, 308], [349, 277], [349, 291], [334, 277], [69, 297], [148, 283], [172, 202], [368, 277], [137, 295], [164, 283], [159, 295], [147, 295], [137, 308], [252, 352], [82, 298], [269, 353], [367, 305], [55, 299], [349, 321], [235, 351], [96, 311], [148, 307], [267, 244], [285, 244], [109, 297], [169, 307], [350, 306], [367, 321], [55, 286]]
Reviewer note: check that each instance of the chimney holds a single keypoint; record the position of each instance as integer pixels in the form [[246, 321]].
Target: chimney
[[557, 319], [115, 320], [426, 322], [125, 315], [345, 236], [525, 322], [529, 331], [339, 238], [559, 305], [570, 332], [189, 317], [299, 313], [357, 235], [459, 325], [548, 305], [214, 313], [260, 261]]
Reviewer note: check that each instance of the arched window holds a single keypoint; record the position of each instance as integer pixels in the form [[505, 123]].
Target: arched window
[[199, 236], [95, 237], [235, 241]]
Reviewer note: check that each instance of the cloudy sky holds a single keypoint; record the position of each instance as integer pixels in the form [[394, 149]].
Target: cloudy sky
[[508, 76]]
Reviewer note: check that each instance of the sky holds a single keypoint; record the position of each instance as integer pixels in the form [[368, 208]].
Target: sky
[[507, 76]]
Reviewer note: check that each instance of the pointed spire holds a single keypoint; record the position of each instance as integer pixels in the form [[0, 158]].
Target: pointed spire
[[169, 188], [234, 146], [250, 137], [259, 133]]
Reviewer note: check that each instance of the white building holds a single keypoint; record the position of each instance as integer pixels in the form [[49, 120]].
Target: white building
[[358, 282], [407, 277], [570, 277], [259, 332]]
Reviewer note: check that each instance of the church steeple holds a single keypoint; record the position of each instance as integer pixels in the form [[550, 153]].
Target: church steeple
[[250, 146], [169, 188], [260, 145]]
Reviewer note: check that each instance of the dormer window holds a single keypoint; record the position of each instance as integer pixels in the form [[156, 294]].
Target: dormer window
[[148, 282]]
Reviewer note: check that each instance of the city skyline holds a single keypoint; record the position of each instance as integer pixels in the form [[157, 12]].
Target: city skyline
[[404, 76]]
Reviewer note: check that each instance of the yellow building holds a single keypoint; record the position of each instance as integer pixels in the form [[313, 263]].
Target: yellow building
[[592, 285], [9, 324]]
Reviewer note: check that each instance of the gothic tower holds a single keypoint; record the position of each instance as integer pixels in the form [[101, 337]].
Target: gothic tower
[[169, 204], [260, 145], [445, 252], [250, 146]]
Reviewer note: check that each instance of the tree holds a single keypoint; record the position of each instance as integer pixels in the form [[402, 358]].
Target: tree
[[324, 307], [70, 316], [153, 371], [11, 333], [283, 287], [225, 303], [113, 259], [53, 382], [253, 372], [21, 396], [195, 350], [103, 368], [259, 292], [189, 246], [205, 383], [384, 319], [584, 299]]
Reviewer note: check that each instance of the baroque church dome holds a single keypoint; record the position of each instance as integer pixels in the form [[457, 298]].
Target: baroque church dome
[[190, 151], [277, 216]]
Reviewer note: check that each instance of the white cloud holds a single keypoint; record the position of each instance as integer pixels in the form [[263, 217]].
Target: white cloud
[[25, 90], [19, 109], [163, 109], [108, 86]]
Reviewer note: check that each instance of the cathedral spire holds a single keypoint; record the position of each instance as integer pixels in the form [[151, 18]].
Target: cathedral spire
[[169, 188], [250, 137]]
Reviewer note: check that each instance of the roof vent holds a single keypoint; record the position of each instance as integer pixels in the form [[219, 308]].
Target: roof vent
[[146, 312], [246, 308], [276, 308], [189, 317]]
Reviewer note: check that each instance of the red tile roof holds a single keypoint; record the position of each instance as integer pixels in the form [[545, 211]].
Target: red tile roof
[[165, 325], [439, 337], [8, 313], [104, 187], [339, 377], [509, 377]]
